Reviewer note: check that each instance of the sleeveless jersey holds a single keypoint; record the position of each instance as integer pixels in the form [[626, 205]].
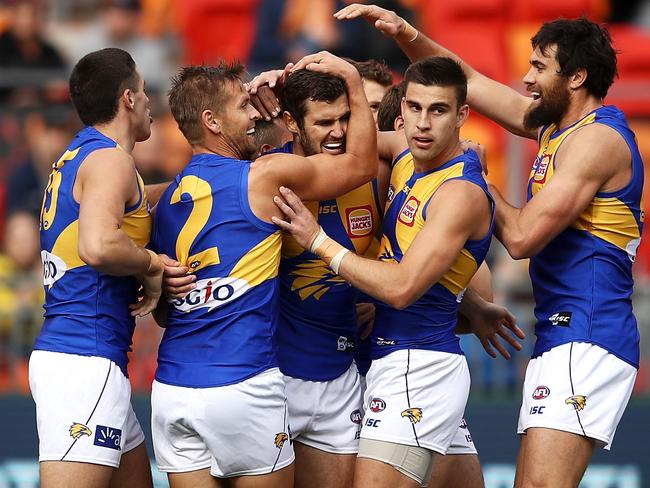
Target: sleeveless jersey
[[86, 311], [428, 323], [317, 327], [221, 333], [582, 280]]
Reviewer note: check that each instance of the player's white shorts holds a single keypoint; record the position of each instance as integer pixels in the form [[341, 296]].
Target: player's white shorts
[[579, 388], [83, 408], [416, 397], [236, 430], [326, 414], [462, 443]]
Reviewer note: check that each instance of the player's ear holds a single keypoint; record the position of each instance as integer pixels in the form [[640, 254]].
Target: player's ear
[[128, 98], [461, 117], [291, 123], [398, 123], [211, 122], [577, 79]]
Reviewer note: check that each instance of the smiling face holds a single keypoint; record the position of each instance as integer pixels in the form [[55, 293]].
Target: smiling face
[[432, 119], [324, 127], [238, 118], [549, 89]]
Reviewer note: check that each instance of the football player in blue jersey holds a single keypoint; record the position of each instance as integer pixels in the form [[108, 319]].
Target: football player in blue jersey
[[580, 228], [216, 220], [437, 228], [94, 223]]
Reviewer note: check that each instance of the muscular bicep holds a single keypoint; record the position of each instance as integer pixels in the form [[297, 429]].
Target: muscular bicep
[[456, 212]]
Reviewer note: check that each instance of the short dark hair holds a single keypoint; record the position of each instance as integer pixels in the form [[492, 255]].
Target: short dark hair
[[438, 71], [581, 43], [97, 82], [390, 107], [198, 88], [267, 132], [303, 85], [375, 71]]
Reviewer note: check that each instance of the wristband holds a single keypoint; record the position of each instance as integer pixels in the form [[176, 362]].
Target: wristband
[[152, 255], [410, 31], [335, 263], [318, 240]]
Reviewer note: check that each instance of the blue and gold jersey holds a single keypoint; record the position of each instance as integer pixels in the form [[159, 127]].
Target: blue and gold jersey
[[86, 312], [316, 332], [428, 323], [222, 332], [582, 280]]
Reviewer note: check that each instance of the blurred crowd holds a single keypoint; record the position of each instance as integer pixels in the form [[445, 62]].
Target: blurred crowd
[[41, 40]]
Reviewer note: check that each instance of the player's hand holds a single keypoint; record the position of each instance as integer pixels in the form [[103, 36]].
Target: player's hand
[[386, 21], [260, 89], [326, 62], [491, 322], [151, 287], [176, 281], [365, 319], [479, 149], [302, 224]]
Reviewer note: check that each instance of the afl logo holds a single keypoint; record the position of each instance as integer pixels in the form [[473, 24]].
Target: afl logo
[[355, 417], [377, 405], [410, 208], [541, 392], [359, 221]]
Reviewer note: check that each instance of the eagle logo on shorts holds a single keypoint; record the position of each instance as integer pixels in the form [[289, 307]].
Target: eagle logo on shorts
[[413, 414], [280, 439], [77, 430], [578, 401]]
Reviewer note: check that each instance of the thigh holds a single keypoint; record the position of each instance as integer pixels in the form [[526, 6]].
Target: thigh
[[457, 471], [200, 478], [83, 408], [370, 473], [316, 468], [553, 458], [134, 470], [67, 474], [280, 478]]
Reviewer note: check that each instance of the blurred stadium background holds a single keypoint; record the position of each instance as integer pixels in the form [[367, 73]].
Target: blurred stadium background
[[41, 40]]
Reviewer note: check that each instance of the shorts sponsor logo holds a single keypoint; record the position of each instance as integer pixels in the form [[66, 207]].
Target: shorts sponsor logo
[[410, 208], [538, 409], [344, 344], [541, 392], [77, 430], [373, 422], [413, 414], [211, 293], [579, 402], [53, 268], [542, 168], [356, 417], [386, 342], [561, 318], [359, 220], [108, 437], [280, 439], [377, 405], [463, 424]]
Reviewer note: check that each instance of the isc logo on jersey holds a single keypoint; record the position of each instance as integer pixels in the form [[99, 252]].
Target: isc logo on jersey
[[407, 214], [53, 268], [211, 293], [359, 220]]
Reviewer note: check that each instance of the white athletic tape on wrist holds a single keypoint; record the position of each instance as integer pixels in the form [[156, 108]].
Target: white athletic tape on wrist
[[318, 240], [335, 264], [408, 27]]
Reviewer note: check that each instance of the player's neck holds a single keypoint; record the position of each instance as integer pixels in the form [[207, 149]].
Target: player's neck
[[219, 146], [579, 107], [452, 151], [119, 132]]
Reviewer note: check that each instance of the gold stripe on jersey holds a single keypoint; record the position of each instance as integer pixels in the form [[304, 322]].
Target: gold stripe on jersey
[[460, 273], [260, 263], [422, 191], [201, 193], [290, 248], [609, 219], [66, 246], [359, 197], [137, 223], [314, 278]]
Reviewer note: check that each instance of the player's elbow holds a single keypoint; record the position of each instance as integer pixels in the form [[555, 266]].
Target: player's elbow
[[519, 248], [94, 252], [402, 298]]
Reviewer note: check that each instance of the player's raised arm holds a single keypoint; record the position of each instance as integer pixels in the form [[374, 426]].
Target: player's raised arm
[[331, 173], [489, 97]]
